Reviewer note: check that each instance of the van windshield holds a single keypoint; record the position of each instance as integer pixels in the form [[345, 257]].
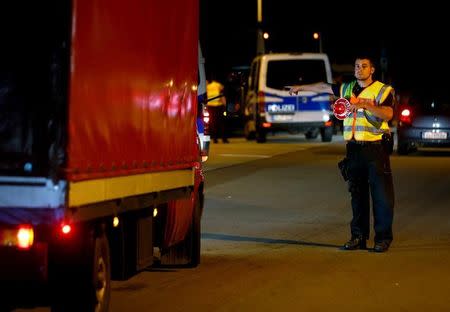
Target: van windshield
[[281, 73]]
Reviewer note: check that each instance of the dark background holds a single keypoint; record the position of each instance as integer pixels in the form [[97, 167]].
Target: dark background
[[413, 38]]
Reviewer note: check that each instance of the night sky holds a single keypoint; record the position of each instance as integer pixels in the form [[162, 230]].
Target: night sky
[[414, 38]]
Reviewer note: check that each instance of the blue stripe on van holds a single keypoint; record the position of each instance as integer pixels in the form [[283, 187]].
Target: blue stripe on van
[[305, 103]]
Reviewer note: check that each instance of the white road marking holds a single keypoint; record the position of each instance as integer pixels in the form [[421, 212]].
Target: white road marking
[[255, 155]]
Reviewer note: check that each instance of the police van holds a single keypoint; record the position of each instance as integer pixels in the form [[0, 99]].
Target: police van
[[268, 105]]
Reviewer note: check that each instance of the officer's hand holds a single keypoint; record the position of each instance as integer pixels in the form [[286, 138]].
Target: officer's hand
[[358, 103], [294, 90], [354, 103]]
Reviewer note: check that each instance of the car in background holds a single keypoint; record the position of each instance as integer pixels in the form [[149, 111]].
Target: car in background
[[424, 121]]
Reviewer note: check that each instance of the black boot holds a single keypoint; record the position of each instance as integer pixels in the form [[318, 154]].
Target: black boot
[[381, 246], [356, 242]]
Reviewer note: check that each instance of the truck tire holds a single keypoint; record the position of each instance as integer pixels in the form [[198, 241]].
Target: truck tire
[[101, 277], [326, 134], [89, 278]]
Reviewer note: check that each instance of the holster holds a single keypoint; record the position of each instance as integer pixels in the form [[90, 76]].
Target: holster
[[343, 168], [388, 144], [353, 186]]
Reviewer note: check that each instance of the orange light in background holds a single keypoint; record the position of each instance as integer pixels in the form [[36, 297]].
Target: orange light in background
[[266, 35], [116, 222], [25, 237], [316, 35]]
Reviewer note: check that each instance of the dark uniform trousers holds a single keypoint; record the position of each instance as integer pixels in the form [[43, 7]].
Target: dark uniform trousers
[[370, 171], [217, 122]]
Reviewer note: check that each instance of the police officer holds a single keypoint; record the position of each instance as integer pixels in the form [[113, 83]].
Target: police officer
[[216, 108], [368, 164]]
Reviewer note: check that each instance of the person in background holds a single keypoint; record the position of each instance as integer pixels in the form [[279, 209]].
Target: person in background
[[367, 163], [216, 107]]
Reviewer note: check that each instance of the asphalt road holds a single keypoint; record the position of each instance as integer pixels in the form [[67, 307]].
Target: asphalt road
[[275, 217]]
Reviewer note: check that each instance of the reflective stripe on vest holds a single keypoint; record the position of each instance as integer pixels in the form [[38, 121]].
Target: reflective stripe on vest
[[365, 126], [347, 88]]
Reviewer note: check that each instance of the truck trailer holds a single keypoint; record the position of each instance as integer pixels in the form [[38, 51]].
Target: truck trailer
[[100, 157]]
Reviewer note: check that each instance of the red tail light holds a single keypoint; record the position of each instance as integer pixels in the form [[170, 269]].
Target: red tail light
[[25, 237], [66, 229], [206, 119], [206, 116], [405, 116]]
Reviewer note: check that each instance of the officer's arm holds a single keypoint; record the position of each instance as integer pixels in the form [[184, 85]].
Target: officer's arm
[[383, 111], [319, 87]]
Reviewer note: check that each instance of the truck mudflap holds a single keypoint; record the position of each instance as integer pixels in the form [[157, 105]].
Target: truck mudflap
[[179, 219]]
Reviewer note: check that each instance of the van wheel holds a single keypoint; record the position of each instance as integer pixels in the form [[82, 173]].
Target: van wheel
[[261, 136], [313, 134], [326, 134]]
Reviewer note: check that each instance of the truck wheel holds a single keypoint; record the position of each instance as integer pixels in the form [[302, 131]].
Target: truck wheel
[[101, 277], [326, 134], [89, 278]]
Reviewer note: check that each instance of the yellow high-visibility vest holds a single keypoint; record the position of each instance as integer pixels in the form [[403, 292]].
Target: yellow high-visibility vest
[[363, 125], [214, 89]]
